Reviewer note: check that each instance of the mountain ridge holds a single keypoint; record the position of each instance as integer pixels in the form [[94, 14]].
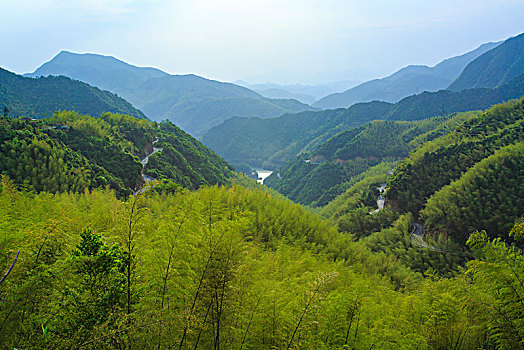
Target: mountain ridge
[[270, 143], [493, 68], [164, 96], [401, 84], [41, 97]]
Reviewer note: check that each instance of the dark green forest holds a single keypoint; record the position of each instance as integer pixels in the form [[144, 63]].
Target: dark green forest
[[497, 182], [444, 159], [73, 152], [315, 178], [271, 143], [41, 97], [462, 176]]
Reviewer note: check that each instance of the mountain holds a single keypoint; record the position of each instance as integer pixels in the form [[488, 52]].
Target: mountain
[[467, 179], [239, 267], [496, 182], [303, 93], [39, 98], [325, 77], [407, 81], [494, 68], [464, 175], [192, 102], [105, 72], [283, 93], [270, 143], [315, 178], [73, 152]]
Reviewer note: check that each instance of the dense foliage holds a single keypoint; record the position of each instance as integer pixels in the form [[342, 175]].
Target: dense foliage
[[231, 268], [488, 196], [96, 140], [270, 143], [315, 178], [71, 152], [181, 264], [438, 162], [40, 98], [32, 157], [185, 160]]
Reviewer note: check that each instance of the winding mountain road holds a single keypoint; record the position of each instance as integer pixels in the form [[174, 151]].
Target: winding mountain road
[[417, 238], [144, 161]]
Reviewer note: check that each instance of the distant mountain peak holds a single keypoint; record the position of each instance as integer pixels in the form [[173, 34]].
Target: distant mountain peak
[[102, 62], [192, 102], [406, 81]]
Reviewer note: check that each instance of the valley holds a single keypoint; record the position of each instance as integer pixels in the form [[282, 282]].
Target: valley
[[147, 210]]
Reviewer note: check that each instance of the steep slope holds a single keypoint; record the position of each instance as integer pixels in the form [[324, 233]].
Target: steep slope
[[105, 72], [103, 152], [270, 143], [464, 175], [437, 163], [193, 102], [39, 98], [317, 177], [407, 81], [35, 156], [494, 68], [488, 196]]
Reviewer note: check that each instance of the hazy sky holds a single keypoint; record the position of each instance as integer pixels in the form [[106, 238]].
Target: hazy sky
[[245, 39]]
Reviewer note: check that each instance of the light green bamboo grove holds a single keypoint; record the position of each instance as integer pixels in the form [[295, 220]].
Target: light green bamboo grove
[[232, 268]]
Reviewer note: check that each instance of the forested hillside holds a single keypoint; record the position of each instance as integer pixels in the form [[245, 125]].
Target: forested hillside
[[488, 196], [233, 268], [122, 233], [317, 177], [271, 143], [494, 68], [191, 102], [463, 176], [92, 266], [34, 159], [472, 176], [40, 98], [73, 152]]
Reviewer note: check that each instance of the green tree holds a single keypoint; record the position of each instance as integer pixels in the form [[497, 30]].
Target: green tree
[[498, 286], [100, 294]]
